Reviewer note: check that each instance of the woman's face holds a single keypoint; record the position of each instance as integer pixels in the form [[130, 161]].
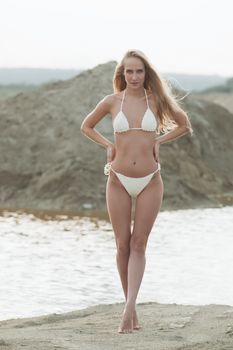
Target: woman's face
[[134, 72]]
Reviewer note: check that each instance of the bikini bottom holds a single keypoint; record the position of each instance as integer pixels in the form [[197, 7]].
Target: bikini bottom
[[133, 185]]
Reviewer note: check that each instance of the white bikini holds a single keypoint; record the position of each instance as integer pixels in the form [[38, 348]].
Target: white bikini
[[149, 122], [133, 185]]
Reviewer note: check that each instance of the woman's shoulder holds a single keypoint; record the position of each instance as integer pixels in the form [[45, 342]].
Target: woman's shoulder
[[116, 95], [112, 98], [152, 98]]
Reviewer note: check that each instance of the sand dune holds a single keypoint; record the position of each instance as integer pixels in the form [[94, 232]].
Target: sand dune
[[48, 164], [223, 99]]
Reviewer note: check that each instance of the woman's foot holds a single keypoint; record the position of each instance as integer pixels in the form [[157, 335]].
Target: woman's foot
[[135, 321], [126, 325]]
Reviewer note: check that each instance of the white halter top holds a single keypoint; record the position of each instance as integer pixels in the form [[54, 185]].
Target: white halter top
[[149, 121]]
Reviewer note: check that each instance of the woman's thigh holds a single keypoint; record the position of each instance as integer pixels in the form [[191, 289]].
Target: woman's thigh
[[148, 204], [119, 205]]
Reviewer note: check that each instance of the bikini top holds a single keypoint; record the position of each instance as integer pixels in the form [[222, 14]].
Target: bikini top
[[149, 121]]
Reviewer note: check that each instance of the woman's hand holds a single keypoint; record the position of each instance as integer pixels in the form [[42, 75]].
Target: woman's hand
[[111, 152], [156, 151]]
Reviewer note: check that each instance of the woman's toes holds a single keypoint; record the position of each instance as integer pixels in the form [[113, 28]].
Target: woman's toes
[[137, 327], [126, 325], [120, 330]]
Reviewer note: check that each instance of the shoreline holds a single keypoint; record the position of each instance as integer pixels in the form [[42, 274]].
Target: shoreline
[[54, 214], [164, 326]]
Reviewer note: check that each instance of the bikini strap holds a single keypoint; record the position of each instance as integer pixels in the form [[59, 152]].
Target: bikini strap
[[146, 98], [122, 100]]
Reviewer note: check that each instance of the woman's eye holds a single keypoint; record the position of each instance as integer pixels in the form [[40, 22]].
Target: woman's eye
[[130, 71]]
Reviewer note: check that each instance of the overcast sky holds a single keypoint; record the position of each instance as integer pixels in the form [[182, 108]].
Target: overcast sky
[[180, 36]]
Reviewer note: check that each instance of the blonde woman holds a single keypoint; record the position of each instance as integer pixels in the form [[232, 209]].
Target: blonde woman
[[145, 115]]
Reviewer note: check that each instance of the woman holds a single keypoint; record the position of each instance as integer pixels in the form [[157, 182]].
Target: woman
[[141, 107]]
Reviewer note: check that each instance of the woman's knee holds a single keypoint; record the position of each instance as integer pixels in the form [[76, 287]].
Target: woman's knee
[[138, 244], [123, 247]]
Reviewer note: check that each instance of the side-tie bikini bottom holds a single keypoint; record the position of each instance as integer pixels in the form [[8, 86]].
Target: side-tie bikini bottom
[[133, 185]]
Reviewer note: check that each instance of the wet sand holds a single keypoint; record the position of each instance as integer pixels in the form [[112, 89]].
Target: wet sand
[[164, 327]]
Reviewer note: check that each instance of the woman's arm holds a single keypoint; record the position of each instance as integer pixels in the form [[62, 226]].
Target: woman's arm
[[88, 124], [183, 127]]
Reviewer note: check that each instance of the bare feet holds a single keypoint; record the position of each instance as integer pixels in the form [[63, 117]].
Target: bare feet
[[126, 325], [135, 321]]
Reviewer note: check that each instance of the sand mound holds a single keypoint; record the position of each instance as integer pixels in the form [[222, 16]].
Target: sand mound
[[164, 327], [47, 163]]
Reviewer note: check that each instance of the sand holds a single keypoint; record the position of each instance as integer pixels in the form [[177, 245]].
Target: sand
[[164, 326], [47, 163]]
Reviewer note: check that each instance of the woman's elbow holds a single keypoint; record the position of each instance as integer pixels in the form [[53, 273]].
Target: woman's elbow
[[185, 129], [188, 129], [187, 126], [83, 127]]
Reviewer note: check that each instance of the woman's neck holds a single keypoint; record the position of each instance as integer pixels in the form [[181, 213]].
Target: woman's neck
[[139, 92]]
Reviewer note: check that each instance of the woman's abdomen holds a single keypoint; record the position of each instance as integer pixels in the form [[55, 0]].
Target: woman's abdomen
[[134, 163]]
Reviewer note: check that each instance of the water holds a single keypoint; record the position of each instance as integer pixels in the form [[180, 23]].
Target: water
[[63, 265]]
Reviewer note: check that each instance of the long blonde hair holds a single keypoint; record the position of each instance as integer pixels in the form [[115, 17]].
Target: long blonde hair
[[166, 102]]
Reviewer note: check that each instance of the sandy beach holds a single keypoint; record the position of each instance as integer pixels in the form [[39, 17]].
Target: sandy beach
[[164, 326]]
